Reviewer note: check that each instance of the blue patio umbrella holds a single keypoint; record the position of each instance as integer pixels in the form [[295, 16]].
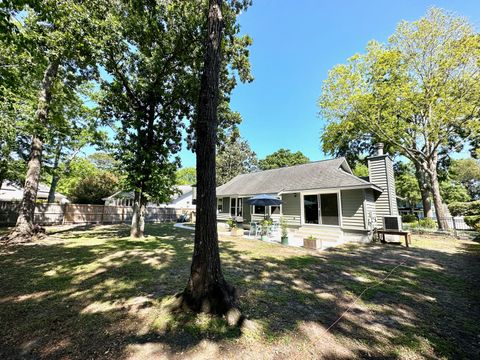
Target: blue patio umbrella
[[264, 200]]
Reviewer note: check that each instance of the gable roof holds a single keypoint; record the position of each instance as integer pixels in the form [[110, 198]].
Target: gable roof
[[181, 191], [10, 191], [324, 174]]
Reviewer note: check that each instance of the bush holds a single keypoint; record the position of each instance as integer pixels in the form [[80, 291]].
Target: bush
[[426, 223], [464, 208], [93, 188], [409, 218], [473, 221], [232, 224]]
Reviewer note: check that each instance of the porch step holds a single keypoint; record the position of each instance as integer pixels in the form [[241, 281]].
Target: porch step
[[324, 233]]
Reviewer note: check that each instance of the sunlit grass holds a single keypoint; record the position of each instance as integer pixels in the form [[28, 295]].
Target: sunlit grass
[[91, 291]]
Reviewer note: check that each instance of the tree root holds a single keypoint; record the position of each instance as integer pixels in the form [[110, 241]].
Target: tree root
[[218, 298], [219, 301], [21, 236]]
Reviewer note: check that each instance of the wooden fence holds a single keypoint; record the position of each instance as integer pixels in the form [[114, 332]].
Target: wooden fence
[[54, 214]]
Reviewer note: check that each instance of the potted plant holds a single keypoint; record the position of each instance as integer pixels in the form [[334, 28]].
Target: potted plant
[[312, 242], [234, 229], [264, 231], [284, 233]]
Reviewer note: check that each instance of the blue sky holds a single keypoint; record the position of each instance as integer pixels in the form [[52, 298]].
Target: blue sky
[[295, 43]]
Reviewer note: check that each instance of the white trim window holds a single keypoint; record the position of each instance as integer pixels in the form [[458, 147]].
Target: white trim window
[[219, 205], [259, 209], [321, 209]]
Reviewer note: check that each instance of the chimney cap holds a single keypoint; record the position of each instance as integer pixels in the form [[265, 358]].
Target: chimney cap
[[379, 147]]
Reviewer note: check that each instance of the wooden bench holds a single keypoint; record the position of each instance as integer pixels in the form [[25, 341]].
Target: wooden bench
[[405, 234]]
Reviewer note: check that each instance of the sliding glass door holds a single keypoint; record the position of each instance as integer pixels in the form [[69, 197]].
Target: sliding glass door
[[329, 209], [236, 207], [310, 203], [321, 209]]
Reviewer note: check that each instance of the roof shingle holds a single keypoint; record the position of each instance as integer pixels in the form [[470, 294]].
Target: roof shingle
[[333, 173]]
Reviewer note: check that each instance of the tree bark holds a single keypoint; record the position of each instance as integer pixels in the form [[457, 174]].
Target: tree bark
[[207, 290], [135, 229], [55, 176], [25, 228], [422, 179], [437, 197], [53, 189]]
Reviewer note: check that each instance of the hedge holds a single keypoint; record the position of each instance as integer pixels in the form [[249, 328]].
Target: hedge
[[409, 218], [473, 221], [464, 208], [425, 223]]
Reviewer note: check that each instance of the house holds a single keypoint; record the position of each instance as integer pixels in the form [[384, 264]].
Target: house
[[13, 192], [321, 198], [183, 199]]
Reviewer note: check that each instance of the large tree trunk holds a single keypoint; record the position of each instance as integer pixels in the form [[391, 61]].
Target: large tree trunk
[[25, 228], [135, 228], [207, 289], [423, 184], [437, 197]]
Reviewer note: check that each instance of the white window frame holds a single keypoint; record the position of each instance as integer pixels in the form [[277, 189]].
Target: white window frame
[[318, 193], [236, 206], [255, 213]]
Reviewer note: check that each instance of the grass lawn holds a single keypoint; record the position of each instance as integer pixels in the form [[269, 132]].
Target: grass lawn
[[95, 294]]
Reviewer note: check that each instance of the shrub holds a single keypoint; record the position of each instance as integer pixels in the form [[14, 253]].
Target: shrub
[[473, 221], [426, 223], [93, 188], [409, 218], [232, 224], [464, 208]]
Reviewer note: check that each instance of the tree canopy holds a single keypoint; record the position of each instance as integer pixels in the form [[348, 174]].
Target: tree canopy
[[419, 94], [282, 158], [234, 157], [186, 176]]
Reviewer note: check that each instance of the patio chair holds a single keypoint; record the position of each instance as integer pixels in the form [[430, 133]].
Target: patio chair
[[274, 228], [254, 228]]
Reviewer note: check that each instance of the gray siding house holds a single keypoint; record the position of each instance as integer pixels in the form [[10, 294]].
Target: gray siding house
[[321, 198]]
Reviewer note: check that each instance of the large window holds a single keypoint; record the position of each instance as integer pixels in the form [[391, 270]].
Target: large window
[[259, 209], [321, 209], [219, 205], [274, 210]]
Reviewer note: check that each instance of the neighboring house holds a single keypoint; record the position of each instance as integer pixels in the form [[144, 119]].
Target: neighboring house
[[322, 198], [13, 192], [183, 199]]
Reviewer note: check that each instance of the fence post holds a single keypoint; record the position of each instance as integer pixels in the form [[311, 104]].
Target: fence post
[[454, 227]]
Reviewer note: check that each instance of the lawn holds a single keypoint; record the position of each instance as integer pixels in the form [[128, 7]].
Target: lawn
[[92, 293]]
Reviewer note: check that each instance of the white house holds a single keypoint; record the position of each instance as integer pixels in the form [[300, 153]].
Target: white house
[[183, 199], [13, 192]]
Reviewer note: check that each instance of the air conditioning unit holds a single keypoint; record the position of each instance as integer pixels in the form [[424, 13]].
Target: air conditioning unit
[[392, 222]]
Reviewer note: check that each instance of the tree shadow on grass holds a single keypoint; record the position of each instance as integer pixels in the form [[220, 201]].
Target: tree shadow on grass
[[99, 294]]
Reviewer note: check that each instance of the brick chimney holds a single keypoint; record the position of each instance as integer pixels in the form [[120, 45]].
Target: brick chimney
[[380, 170]]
